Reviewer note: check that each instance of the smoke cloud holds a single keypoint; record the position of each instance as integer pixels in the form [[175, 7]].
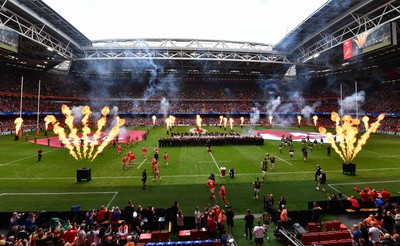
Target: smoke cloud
[[164, 107], [273, 105], [308, 110], [254, 116], [350, 102]]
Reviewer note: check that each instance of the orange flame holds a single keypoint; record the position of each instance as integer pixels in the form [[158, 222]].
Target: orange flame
[[112, 134], [270, 119], [241, 120], [231, 123], [154, 119], [347, 133], [220, 119], [49, 119], [168, 123], [299, 119], [365, 119], [315, 118], [225, 120], [69, 121], [18, 123], [100, 124], [198, 121], [85, 129]]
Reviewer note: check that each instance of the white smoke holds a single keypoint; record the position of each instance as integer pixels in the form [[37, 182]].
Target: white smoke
[[350, 102], [254, 116], [272, 105], [164, 106], [76, 111], [308, 110]]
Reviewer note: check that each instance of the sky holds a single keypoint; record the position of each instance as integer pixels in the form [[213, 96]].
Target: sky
[[262, 21]]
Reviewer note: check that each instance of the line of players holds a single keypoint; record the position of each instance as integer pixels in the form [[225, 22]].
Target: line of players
[[264, 164], [130, 157], [306, 145]]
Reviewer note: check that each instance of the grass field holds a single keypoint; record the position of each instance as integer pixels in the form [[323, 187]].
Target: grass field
[[29, 185]]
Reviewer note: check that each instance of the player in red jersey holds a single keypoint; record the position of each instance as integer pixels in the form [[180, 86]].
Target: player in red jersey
[[137, 139], [144, 152], [131, 158], [156, 171], [211, 186], [166, 158], [119, 150], [156, 148], [222, 193], [124, 162]]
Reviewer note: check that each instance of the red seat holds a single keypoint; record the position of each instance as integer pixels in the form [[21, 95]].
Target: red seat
[[329, 225], [308, 238], [336, 225], [324, 243], [343, 227], [164, 235], [342, 242], [327, 236], [333, 242], [312, 227], [343, 235], [145, 238]]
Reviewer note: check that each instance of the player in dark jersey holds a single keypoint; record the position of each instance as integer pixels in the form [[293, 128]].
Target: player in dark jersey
[[257, 187]]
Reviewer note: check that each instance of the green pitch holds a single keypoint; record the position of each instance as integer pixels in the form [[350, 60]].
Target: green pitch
[[29, 185]]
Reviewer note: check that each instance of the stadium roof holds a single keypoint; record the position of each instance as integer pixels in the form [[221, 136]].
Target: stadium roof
[[47, 39]]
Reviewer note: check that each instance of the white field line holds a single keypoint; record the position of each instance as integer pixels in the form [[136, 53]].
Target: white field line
[[10, 165], [141, 163], [58, 193], [202, 175], [11, 162], [338, 191], [213, 161], [112, 199], [278, 157], [216, 164], [383, 155]]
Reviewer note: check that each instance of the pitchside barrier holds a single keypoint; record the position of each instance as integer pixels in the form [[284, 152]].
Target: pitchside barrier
[[303, 217]]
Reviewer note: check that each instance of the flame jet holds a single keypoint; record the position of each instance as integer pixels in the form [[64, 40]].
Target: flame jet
[[85, 129], [62, 136], [100, 124], [347, 134], [315, 118], [69, 121], [299, 119], [112, 134], [18, 123]]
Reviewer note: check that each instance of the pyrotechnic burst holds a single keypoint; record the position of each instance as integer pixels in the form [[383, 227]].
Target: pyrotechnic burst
[[270, 119], [298, 119], [198, 121], [75, 147], [154, 120], [241, 120], [18, 123], [231, 123], [225, 120], [315, 118], [350, 144], [220, 120]]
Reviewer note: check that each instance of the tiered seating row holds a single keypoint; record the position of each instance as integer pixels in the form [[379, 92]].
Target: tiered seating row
[[318, 237]]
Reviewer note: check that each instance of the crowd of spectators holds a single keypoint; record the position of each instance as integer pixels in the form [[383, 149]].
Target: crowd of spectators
[[114, 227], [141, 98], [378, 228]]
